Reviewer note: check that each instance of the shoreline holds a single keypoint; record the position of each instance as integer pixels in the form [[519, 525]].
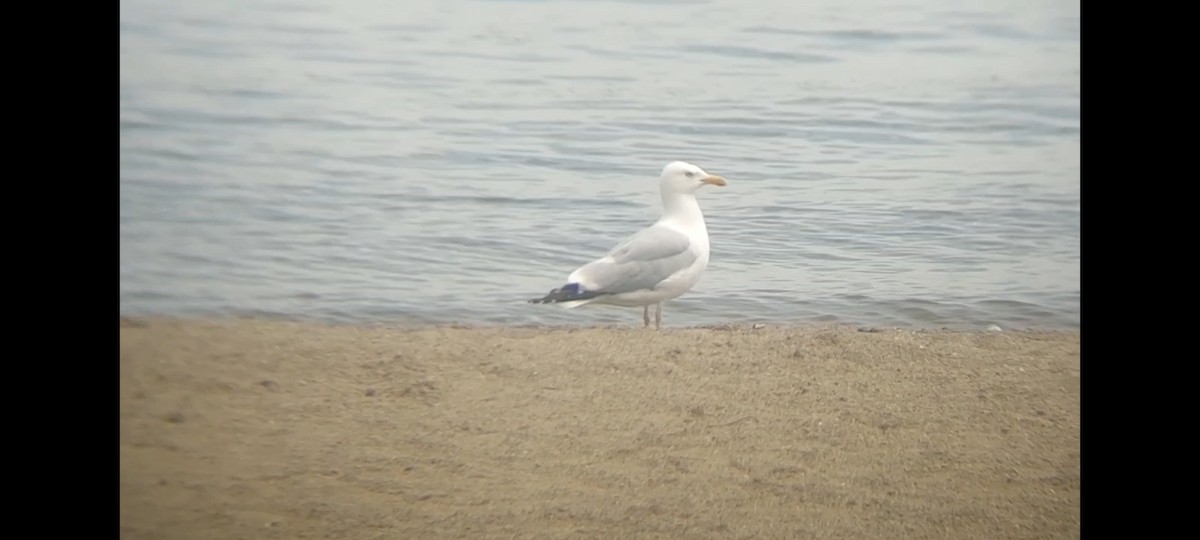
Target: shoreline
[[397, 324]]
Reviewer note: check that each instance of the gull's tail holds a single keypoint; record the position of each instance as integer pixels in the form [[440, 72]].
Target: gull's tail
[[568, 296]]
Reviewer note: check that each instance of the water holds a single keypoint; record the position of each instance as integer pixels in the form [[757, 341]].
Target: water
[[889, 163]]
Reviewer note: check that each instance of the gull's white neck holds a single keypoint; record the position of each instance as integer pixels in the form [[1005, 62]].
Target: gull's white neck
[[683, 209]]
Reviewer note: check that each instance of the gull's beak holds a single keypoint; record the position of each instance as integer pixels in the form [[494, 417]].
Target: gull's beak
[[713, 179]]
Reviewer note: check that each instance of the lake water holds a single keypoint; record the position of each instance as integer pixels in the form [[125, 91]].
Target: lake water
[[416, 161]]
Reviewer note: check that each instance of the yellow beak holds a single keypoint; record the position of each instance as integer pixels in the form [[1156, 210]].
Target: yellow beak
[[714, 180]]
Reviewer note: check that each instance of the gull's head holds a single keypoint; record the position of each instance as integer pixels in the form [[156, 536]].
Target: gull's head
[[683, 177]]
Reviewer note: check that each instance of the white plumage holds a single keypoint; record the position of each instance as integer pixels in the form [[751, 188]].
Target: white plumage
[[659, 263]]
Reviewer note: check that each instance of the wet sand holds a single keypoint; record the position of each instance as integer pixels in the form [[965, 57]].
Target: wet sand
[[265, 429]]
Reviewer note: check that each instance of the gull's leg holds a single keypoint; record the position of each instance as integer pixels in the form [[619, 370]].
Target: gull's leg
[[646, 317], [657, 316]]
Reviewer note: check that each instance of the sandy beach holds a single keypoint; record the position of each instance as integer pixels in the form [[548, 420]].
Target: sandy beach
[[254, 429]]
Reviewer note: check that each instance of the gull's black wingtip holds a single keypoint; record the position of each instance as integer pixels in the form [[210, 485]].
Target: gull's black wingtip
[[571, 292]]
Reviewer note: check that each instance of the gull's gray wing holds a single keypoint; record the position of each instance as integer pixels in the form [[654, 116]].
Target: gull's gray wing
[[641, 262]]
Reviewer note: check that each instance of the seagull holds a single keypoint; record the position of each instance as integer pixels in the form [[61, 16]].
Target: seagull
[[659, 263]]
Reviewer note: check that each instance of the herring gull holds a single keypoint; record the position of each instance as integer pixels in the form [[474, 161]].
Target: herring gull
[[659, 263]]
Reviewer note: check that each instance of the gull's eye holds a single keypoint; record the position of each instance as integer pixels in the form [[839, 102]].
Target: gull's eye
[[690, 174]]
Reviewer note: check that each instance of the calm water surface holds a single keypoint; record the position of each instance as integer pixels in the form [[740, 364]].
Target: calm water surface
[[890, 163]]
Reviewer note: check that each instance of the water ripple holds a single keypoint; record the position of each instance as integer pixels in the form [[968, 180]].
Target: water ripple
[[436, 164]]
